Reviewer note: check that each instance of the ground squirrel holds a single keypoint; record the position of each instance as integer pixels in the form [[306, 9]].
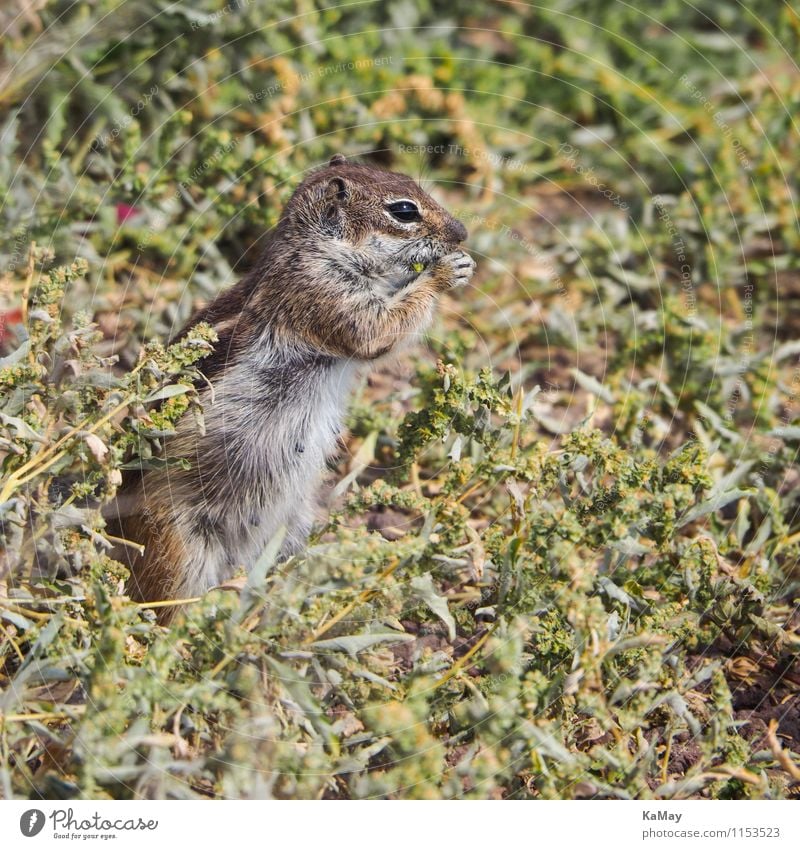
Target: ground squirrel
[[351, 271]]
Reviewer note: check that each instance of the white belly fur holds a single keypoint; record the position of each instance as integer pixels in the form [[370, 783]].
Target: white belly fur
[[265, 474]]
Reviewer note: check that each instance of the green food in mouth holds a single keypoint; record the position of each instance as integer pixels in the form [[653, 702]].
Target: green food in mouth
[[418, 266]]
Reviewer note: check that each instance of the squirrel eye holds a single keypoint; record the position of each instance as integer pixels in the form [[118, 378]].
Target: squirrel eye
[[404, 210]]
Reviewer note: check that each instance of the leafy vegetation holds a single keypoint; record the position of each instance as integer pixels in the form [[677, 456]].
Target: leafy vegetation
[[562, 554]]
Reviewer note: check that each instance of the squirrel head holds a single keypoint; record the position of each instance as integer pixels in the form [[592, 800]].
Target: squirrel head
[[385, 217]]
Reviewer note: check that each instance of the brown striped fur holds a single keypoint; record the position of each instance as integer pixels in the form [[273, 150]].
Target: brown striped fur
[[334, 289]]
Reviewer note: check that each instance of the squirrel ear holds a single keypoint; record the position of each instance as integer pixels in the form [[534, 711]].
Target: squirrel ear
[[336, 190], [337, 159], [336, 196]]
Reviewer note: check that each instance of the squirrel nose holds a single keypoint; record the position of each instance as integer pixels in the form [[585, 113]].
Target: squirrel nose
[[456, 231]]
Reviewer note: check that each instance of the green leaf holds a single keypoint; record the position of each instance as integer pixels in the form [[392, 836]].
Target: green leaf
[[591, 384], [157, 463], [170, 391], [790, 433], [424, 590], [713, 504], [359, 642]]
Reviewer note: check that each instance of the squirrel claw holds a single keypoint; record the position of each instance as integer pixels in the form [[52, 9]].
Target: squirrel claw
[[460, 268]]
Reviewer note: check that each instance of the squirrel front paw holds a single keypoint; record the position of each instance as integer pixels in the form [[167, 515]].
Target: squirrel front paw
[[455, 269]]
